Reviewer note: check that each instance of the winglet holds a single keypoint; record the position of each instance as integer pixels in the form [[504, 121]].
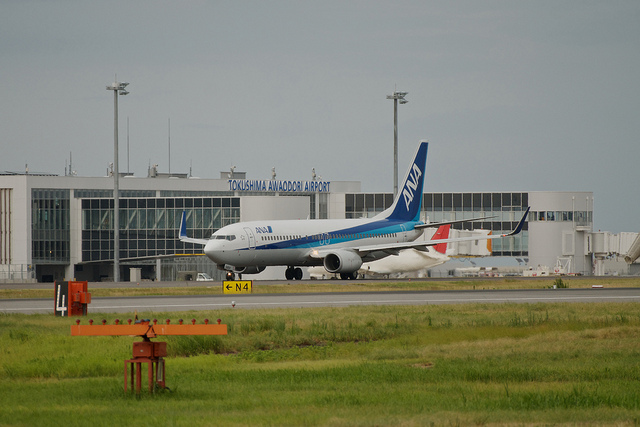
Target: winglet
[[183, 232], [183, 226], [518, 228]]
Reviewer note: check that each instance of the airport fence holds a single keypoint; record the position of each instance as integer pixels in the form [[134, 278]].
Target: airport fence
[[17, 273]]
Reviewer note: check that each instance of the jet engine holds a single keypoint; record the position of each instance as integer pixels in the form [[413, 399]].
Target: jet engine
[[342, 262], [252, 269]]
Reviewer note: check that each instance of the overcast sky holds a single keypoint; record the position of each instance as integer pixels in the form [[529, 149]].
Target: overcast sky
[[512, 95]]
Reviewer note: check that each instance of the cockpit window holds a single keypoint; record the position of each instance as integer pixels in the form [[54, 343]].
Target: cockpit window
[[225, 237]]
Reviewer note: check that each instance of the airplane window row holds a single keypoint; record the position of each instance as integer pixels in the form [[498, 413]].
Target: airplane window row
[[361, 236], [274, 238], [330, 236]]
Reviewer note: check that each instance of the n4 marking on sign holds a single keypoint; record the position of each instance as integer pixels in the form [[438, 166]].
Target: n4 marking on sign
[[237, 286]]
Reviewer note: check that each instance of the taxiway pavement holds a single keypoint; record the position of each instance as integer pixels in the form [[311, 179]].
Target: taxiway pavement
[[151, 304]]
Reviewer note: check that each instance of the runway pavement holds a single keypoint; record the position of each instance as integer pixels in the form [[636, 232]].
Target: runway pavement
[[150, 304]]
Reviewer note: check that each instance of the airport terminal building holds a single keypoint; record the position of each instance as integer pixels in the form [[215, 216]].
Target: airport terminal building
[[61, 227]]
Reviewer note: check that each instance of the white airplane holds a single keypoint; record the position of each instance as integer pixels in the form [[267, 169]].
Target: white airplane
[[410, 260], [340, 245], [407, 260]]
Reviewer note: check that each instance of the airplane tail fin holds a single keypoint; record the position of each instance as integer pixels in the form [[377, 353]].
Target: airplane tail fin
[[442, 233], [408, 202]]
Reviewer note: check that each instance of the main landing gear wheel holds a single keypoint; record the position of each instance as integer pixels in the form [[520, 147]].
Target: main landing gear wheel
[[349, 276], [293, 273]]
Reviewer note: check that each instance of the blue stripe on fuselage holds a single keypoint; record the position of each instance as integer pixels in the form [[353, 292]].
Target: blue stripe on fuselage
[[351, 234]]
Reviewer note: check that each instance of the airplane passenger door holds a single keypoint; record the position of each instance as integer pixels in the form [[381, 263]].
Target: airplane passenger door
[[403, 234], [324, 239], [252, 239]]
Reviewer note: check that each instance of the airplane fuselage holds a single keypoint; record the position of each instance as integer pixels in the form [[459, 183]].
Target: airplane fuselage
[[268, 243]]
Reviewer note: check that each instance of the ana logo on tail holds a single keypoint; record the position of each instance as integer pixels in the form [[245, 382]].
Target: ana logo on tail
[[406, 205], [412, 185]]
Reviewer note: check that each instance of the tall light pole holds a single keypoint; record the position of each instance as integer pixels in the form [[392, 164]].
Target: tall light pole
[[118, 88], [397, 96]]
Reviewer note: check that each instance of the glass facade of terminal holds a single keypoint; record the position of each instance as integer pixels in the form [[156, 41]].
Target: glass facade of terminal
[[50, 226], [149, 226], [579, 218], [505, 208], [361, 205], [148, 223]]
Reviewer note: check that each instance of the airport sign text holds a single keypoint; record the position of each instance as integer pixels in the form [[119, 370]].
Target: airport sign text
[[270, 185]]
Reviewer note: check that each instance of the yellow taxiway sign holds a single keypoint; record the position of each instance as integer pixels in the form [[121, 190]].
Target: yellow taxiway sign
[[237, 286]]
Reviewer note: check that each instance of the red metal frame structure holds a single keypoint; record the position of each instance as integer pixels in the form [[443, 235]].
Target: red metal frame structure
[[151, 353]]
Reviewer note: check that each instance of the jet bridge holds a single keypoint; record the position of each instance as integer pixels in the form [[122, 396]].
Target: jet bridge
[[604, 245], [634, 251]]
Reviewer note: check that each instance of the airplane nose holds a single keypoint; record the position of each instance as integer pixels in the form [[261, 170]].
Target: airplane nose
[[212, 249]]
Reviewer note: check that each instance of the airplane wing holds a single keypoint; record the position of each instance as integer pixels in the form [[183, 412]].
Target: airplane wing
[[393, 249], [438, 224], [183, 232]]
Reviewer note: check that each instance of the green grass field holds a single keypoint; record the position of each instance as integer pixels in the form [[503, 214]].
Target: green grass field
[[479, 364]]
